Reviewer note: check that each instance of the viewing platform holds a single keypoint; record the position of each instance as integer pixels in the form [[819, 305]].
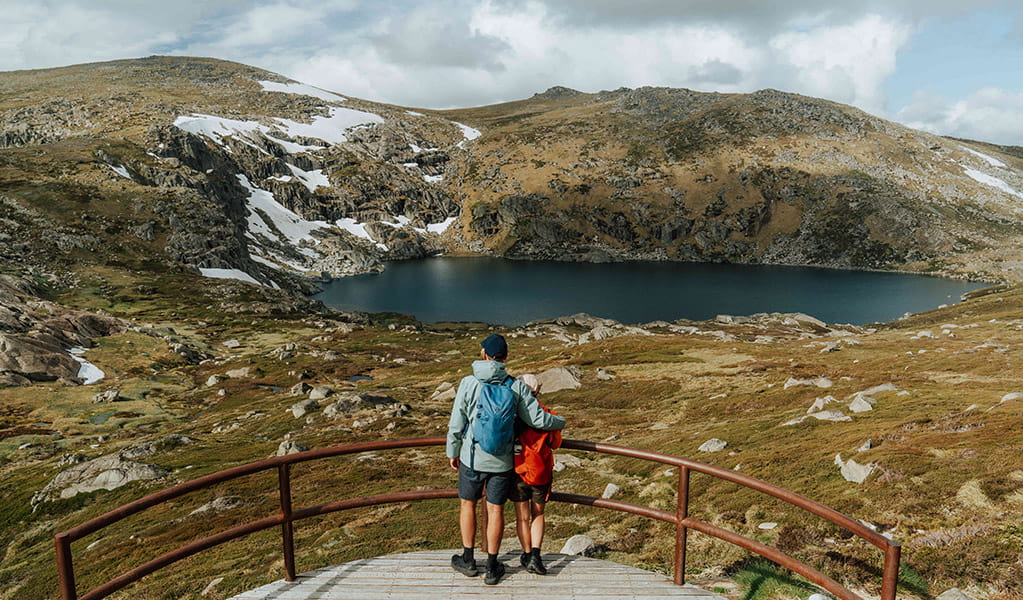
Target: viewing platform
[[428, 576]]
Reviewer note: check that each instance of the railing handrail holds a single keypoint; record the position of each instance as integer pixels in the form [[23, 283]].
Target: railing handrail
[[288, 515]]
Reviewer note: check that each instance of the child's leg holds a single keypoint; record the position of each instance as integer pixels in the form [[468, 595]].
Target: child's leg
[[536, 525], [523, 524]]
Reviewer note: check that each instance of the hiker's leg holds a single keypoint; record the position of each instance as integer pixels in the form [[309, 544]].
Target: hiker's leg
[[495, 526], [483, 523], [537, 525], [522, 524], [467, 522]]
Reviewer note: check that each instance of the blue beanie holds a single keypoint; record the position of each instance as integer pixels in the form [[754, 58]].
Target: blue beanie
[[495, 347]]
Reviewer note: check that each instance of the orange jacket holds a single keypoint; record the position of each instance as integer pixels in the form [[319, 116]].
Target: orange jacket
[[535, 463]]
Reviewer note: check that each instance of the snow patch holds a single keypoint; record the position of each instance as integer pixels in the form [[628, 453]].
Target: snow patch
[[120, 171], [310, 179], [292, 228], [354, 227], [994, 162], [441, 227], [301, 89], [414, 113], [229, 274], [332, 128], [991, 181], [433, 178], [469, 133], [87, 371]]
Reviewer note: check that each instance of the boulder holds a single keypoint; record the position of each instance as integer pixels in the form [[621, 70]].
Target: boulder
[[299, 409], [238, 373], [821, 382], [320, 392], [610, 490], [953, 594], [300, 389], [232, 344], [290, 447], [559, 378], [831, 415], [819, 404], [348, 403], [860, 404], [213, 380], [605, 374], [561, 461], [852, 470], [1009, 397], [112, 395], [713, 445], [580, 545], [104, 473]]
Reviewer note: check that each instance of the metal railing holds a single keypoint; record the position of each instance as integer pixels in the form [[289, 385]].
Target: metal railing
[[288, 515]]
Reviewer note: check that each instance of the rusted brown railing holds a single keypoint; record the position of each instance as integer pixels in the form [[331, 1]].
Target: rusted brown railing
[[288, 515]]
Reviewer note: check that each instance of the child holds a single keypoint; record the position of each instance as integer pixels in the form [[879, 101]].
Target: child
[[534, 464]]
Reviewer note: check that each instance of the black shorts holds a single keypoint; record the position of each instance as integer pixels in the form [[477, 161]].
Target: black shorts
[[522, 491], [471, 484]]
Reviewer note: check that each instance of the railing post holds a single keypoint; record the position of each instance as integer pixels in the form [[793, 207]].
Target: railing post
[[65, 569], [890, 577], [287, 527], [680, 530]]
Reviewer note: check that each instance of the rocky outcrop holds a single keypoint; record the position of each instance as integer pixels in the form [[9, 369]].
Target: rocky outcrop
[[36, 335]]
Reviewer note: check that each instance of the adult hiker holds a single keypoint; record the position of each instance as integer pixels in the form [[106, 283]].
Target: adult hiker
[[480, 446], [534, 465]]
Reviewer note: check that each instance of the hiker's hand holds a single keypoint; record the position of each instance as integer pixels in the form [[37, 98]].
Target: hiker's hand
[[453, 462]]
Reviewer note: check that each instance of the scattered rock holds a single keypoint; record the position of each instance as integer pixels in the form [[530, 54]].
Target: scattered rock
[[104, 473], [232, 344], [559, 378], [953, 594], [713, 445], [860, 404], [218, 505], [320, 392], [444, 392], [290, 447], [819, 404], [821, 382], [213, 380], [852, 470], [605, 374], [658, 426], [831, 415], [561, 461], [300, 389], [580, 545], [238, 373], [867, 445], [767, 526], [212, 585], [610, 490], [112, 395], [299, 409]]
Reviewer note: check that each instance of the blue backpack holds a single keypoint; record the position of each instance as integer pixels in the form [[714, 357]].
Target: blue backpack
[[494, 426]]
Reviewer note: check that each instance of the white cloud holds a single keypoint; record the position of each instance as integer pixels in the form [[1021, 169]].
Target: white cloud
[[848, 63], [990, 114]]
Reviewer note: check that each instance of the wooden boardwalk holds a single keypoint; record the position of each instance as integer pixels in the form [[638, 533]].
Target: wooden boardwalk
[[428, 575]]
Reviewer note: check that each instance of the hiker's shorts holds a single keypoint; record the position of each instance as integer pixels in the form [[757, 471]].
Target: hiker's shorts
[[471, 484], [522, 491]]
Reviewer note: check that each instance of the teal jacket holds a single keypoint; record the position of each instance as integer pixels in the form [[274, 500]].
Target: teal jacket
[[464, 410]]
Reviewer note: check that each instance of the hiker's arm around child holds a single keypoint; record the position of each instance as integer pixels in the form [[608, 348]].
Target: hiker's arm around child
[[531, 413]]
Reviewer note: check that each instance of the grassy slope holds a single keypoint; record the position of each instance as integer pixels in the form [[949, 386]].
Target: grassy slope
[[942, 467]]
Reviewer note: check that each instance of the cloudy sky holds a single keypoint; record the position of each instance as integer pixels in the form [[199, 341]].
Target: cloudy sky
[[953, 67]]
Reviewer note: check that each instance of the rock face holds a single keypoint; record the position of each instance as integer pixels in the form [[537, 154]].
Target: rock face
[[108, 472], [559, 378], [36, 335]]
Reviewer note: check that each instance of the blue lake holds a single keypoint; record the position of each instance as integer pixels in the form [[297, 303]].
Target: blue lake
[[508, 292]]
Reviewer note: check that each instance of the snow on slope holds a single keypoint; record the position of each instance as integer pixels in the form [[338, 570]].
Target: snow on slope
[[87, 371], [991, 181], [994, 162], [332, 128], [229, 274], [292, 228], [301, 89]]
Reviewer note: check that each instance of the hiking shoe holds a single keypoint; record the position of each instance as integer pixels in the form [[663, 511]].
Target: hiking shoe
[[494, 573], [467, 568], [535, 565], [524, 559]]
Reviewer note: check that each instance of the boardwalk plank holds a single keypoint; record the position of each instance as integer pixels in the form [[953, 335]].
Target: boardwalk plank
[[428, 576]]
